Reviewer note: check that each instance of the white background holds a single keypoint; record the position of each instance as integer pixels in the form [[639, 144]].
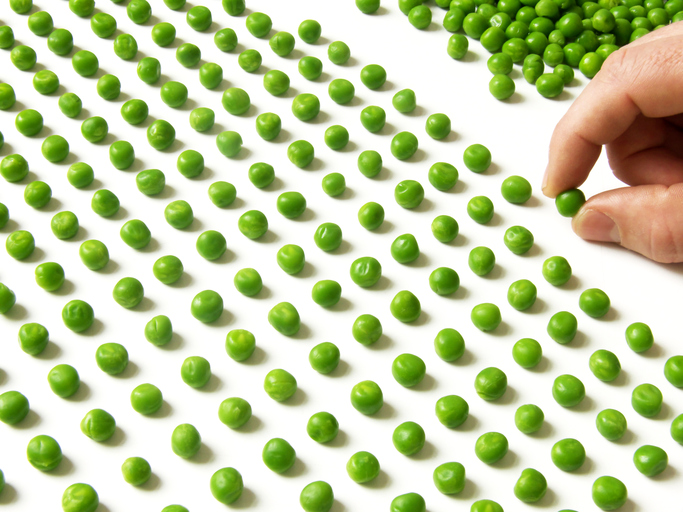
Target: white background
[[516, 131]]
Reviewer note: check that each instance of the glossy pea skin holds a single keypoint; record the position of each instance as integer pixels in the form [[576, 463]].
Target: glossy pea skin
[[367, 397], [80, 498], [369, 163], [404, 145], [594, 302], [449, 478], [14, 168], [259, 24], [279, 385], [486, 316], [550, 85], [159, 330], [305, 106], [276, 82], [408, 438], [373, 118], [121, 154], [522, 294], [23, 57], [94, 254], [185, 441], [341, 91], [568, 391], [248, 282], [33, 338], [226, 485], [604, 365], [317, 497], [45, 81], [443, 176], [222, 193], [533, 68], [7, 299], [195, 371], [449, 345], [324, 357], [136, 470], [309, 31], [234, 412], [516, 190], [44, 453], [336, 137], [569, 202], [405, 249], [225, 40], [37, 194], [326, 293], [174, 94], [103, 25], [13, 407], [501, 87], [49, 276], [134, 111], [647, 400], [4, 215], [609, 493], [480, 209], [366, 271], [136, 234], [7, 38], [291, 259], [179, 214], [125, 47], [611, 424], [146, 399], [562, 327], [405, 307], [444, 281], [409, 194], [568, 454], [109, 87], [278, 455], [78, 315], [188, 55], [98, 425], [311, 68], [20, 244], [268, 126], [366, 329], [111, 358], [490, 384], [531, 486], [529, 418], [55, 148], [64, 225], [7, 95], [190, 163], [282, 43], [28, 122], [149, 70], [199, 18], [322, 427], [94, 129], [328, 236], [408, 370], [229, 143], [371, 215], [491, 447], [452, 410], [234, 7], [362, 467], [240, 344], [21, 6], [64, 380], [556, 270], [85, 63], [168, 269], [207, 306], [160, 134], [527, 352], [250, 60], [285, 318], [639, 337], [518, 239], [673, 371], [150, 181], [253, 224], [650, 460]]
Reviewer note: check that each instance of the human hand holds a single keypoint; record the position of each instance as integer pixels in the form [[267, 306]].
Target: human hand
[[634, 107]]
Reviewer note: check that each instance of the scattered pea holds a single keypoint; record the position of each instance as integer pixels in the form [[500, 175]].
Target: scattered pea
[[338, 52], [150, 181], [362, 467], [405, 307], [527, 352], [248, 282], [94, 129], [168, 269], [491, 447], [225, 40], [317, 497], [529, 418], [99, 426], [94, 254], [647, 400], [146, 399], [408, 438], [309, 31], [367, 397], [328, 236], [562, 327], [367, 329], [195, 371], [370, 163], [55, 148], [222, 193], [234, 412], [522, 294], [125, 46], [121, 154], [276, 82], [188, 55], [240, 344], [322, 427], [404, 101], [103, 25], [259, 24], [29, 122], [639, 337], [80, 498], [227, 485], [568, 391], [285, 318], [405, 249], [159, 330], [111, 358], [250, 60], [37, 194], [486, 316], [20, 244], [531, 486], [207, 306], [149, 70], [371, 215], [373, 118], [594, 302], [279, 385], [63, 380], [311, 68], [134, 111], [186, 441]]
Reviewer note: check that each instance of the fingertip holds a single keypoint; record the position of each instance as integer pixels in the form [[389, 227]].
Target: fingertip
[[594, 225]]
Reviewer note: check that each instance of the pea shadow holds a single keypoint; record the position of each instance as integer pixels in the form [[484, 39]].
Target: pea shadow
[[8, 495], [298, 398], [65, 467], [507, 462], [427, 452], [247, 500], [340, 440], [117, 439], [382, 343], [152, 484], [31, 420], [81, 395], [203, 456], [381, 481], [297, 469], [253, 425], [259, 356], [341, 370]]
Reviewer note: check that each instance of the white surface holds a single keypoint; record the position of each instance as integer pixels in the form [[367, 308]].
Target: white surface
[[517, 133]]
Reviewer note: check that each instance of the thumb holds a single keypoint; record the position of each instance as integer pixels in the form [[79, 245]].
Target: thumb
[[647, 219]]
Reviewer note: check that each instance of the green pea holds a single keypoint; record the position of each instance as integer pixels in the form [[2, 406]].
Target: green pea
[[408, 370], [367, 7], [94, 129], [64, 225], [278, 455], [420, 17], [268, 126], [94, 254], [139, 11], [405, 249], [174, 94], [234, 412], [311, 68], [259, 24], [134, 111], [159, 330], [14, 407], [568, 391], [328, 236], [594, 302], [370, 163], [673, 371], [338, 52], [109, 87], [195, 371], [33, 338], [284, 318], [449, 478], [556, 270], [207, 306], [55, 148], [409, 194], [160, 134], [404, 101], [362, 467], [253, 224], [20, 244], [211, 245], [250, 60], [146, 399], [677, 429], [438, 126], [7, 95], [179, 214], [45, 81], [491, 447], [282, 43], [279, 385], [80, 175], [136, 234], [98, 425], [37, 194], [240, 344], [410, 502], [341, 91], [527, 353], [29, 122], [210, 75], [449, 345], [522, 294], [125, 47], [486, 316], [229, 143], [49, 276], [609, 493], [371, 216], [569, 202], [80, 498], [568, 454], [477, 158], [78, 315], [291, 258], [175, 5], [531, 486], [188, 55], [533, 68], [85, 63], [367, 329], [60, 42], [499, 63], [373, 118], [373, 76], [227, 485], [7, 299], [326, 293], [7, 37], [301, 153], [611, 424], [121, 154], [309, 31], [82, 8], [366, 271], [136, 471], [305, 106], [405, 307], [248, 282], [21, 6], [103, 25], [336, 138], [317, 497], [562, 327], [457, 47], [199, 18], [444, 281], [529, 418], [490, 384], [322, 427], [14, 168], [186, 441], [63, 380], [518, 239], [452, 411], [443, 176], [408, 438], [222, 193], [646, 400], [111, 358], [639, 337], [23, 57], [149, 70], [168, 269], [367, 397], [225, 40], [480, 209], [150, 181], [604, 365], [4, 215]]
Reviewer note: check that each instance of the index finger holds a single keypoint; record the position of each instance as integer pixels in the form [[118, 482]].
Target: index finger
[[644, 78]]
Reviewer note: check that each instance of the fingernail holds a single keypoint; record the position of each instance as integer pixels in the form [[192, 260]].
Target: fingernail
[[594, 225], [545, 180]]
